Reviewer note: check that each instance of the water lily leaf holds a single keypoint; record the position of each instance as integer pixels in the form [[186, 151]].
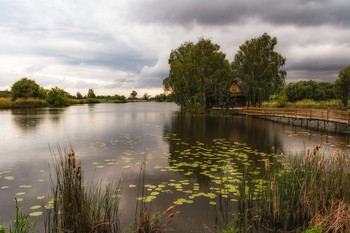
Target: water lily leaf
[[36, 214], [4, 187], [20, 193], [19, 199], [35, 207], [212, 203], [40, 197], [41, 180], [25, 186], [132, 186], [9, 178]]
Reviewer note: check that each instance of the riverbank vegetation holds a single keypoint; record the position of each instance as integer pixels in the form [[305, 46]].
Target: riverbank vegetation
[[26, 93], [308, 190]]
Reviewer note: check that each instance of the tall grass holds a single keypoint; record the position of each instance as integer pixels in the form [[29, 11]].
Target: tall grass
[[306, 103], [77, 208], [310, 189]]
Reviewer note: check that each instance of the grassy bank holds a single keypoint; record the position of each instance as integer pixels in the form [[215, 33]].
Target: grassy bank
[[307, 103], [22, 103]]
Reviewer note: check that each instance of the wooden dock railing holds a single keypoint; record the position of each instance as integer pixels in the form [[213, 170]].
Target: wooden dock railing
[[328, 115]]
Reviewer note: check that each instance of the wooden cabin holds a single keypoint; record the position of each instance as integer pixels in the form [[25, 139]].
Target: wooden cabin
[[239, 95]]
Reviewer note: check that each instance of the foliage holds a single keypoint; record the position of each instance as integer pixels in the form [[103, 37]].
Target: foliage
[[306, 103], [146, 96], [200, 75], [91, 94], [163, 98], [282, 100], [342, 85], [258, 68], [309, 90], [5, 94], [76, 208], [79, 95], [133, 95], [25, 88], [92, 100], [21, 224], [57, 97]]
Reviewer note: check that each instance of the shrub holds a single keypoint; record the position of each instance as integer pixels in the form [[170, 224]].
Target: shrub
[[57, 97]]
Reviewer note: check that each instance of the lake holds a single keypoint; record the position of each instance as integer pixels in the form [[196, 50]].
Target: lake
[[191, 160]]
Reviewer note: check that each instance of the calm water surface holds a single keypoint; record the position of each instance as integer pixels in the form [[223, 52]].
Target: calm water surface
[[190, 160]]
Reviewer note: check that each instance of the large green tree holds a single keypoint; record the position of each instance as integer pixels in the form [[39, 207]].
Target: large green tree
[[25, 88], [258, 68], [309, 90], [199, 75], [342, 85]]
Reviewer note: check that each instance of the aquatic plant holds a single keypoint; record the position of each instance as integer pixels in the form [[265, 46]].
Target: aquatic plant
[[298, 191], [76, 208]]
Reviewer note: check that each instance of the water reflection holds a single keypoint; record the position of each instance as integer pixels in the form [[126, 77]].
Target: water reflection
[[55, 114], [28, 119]]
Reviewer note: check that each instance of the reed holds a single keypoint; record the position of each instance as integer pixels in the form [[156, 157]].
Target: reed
[[77, 208], [309, 189]]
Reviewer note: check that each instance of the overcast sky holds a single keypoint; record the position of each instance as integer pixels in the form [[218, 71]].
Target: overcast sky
[[123, 45]]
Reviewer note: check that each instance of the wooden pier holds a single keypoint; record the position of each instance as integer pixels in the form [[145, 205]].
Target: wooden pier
[[307, 114]]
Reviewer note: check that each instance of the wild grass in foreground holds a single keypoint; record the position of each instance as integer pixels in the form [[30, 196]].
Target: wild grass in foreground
[[297, 193], [145, 221], [77, 208], [22, 223]]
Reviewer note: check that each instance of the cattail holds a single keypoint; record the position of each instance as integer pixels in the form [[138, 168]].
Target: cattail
[[321, 164], [308, 151], [286, 167], [305, 159], [273, 149], [74, 162], [170, 208], [344, 155], [282, 155], [267, 165], [171, 215]]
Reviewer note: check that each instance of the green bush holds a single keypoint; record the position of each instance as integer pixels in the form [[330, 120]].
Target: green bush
[[92, 100], [57, 97]]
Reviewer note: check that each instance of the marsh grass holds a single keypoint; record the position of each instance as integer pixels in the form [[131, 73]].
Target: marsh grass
[[309, 189], [80, 208], [23, 103], [145, 221]]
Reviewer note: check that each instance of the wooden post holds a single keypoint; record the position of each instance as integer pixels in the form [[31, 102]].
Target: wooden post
[[348, 118], [295, 114], [310, 113], [327, 115], [321, 114]]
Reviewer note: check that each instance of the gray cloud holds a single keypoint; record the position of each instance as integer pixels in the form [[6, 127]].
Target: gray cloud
[[117, 46], [223, 12]]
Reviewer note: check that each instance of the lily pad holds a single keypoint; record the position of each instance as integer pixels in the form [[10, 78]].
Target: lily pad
[[35, 207], [36, 214]]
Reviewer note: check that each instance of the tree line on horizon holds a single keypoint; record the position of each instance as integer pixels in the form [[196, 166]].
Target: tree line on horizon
[[27, 88], [200, 76]]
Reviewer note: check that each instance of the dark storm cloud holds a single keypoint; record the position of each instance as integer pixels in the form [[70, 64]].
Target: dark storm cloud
[[220, 12]]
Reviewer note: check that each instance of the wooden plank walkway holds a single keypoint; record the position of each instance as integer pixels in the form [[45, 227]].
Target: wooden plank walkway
[[326, 115]]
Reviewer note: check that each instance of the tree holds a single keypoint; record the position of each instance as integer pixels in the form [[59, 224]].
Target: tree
[[146, 96], [199, 75], [79, 95], [57, 97], [258, 68], [133, 95], [309, 90], [25, 88], [91, 94], [342, 85]]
